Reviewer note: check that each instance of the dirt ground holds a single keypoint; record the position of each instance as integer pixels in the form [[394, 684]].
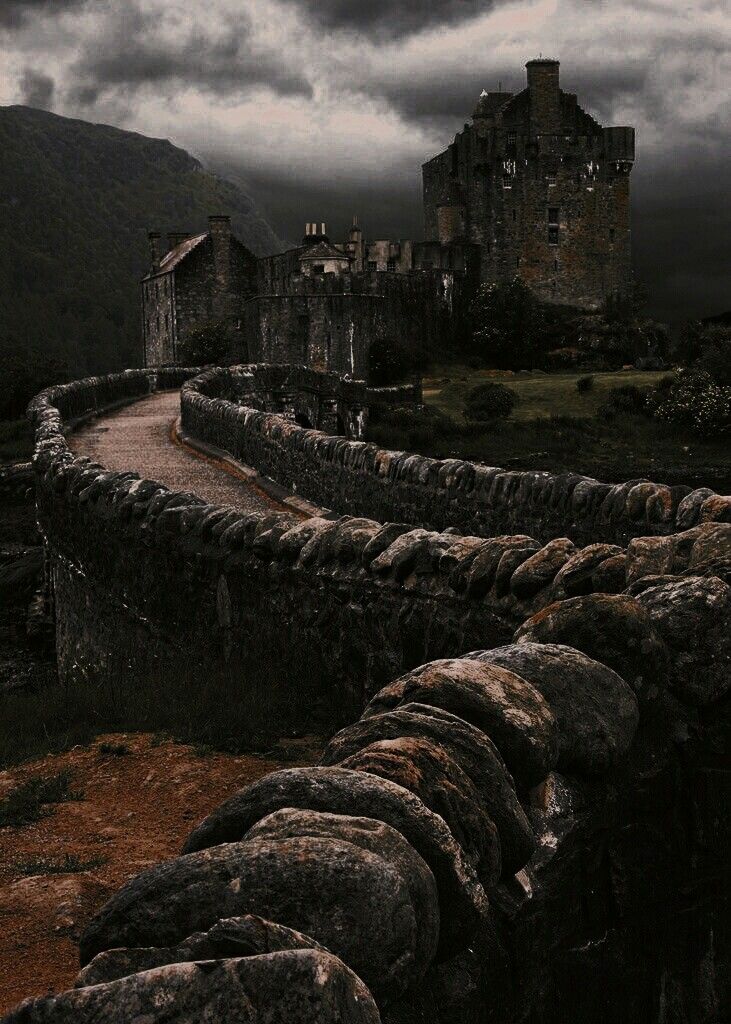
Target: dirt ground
[[135, 809]]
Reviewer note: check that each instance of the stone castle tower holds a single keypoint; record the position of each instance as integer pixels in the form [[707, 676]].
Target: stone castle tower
[[542, 188]]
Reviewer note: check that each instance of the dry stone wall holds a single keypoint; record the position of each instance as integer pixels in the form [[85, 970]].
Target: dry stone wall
[[358, 478], [534, 831], [196, 588], [520, 834]]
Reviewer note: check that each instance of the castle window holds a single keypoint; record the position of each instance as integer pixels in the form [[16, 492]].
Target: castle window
[[319, 268], [507, 181], [555, 265], [550, 180], [515, 216], [553, 225], [372, 265], [391, 265], [611, 234], [517, 261]]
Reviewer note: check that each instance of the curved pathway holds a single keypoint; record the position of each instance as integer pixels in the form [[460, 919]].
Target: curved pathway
[[140, 437]]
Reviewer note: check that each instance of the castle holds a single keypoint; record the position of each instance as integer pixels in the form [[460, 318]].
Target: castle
[[320, 304], [542, 189], [533, 187]]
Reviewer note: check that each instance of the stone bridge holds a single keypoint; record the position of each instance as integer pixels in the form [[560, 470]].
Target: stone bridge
[[525, 815]]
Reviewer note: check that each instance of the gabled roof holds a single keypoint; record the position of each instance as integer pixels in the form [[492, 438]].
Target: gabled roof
[[176, 255], [324, 250]]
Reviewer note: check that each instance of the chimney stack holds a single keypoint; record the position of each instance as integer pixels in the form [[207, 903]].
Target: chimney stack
[[545, 95], [153, 238], [219, 228]]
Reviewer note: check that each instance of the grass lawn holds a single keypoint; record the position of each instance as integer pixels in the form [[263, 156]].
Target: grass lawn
[[539, 395], [555, 427]]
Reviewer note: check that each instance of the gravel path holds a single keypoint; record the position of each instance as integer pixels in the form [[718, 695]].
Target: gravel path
[[138, 437]]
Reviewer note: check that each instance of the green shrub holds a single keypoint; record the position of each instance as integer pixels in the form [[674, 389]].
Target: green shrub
[[584, 384], [208, 343], [715, 357], [696, 400], [392, 361], [490, 401], [629, 399], [27, 802], [412, 427]]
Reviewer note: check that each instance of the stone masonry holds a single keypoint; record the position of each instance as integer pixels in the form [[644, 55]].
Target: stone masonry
[[200, 279], [531, 832], [542, 189]]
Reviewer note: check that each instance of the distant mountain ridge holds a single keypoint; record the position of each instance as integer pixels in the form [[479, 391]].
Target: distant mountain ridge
[[76, 203]]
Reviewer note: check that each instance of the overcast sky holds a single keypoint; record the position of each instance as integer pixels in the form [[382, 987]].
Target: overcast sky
[[325, 108]]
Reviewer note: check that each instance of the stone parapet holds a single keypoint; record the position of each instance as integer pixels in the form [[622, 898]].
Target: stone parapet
[[359, 478]]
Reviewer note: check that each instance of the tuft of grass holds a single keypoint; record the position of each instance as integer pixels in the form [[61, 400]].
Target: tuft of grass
[[29, 802], [69, 864], [114, 749]]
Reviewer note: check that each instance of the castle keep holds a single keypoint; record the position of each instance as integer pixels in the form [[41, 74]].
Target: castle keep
[[541, 188]]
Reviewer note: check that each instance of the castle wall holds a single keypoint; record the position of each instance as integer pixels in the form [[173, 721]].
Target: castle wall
[[158, 319], [331, 321]]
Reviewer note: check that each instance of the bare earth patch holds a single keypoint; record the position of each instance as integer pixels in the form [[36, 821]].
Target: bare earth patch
[[139, 803]]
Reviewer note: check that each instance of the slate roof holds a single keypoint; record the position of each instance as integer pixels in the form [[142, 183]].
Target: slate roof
[[171, 259], [324, 251]]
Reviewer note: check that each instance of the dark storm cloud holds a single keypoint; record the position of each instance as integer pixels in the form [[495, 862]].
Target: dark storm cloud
[[14, 13], [449, 102], [36, 89], [392, 17], [129, 54], [681, 223], [385, 209]]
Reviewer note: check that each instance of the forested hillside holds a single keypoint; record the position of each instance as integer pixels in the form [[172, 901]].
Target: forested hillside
[[76, 202]]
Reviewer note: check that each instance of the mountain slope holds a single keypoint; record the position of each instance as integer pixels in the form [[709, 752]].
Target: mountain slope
[[76, 202]]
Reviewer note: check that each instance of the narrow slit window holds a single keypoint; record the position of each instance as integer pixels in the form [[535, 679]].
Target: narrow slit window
[[553, 225]]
